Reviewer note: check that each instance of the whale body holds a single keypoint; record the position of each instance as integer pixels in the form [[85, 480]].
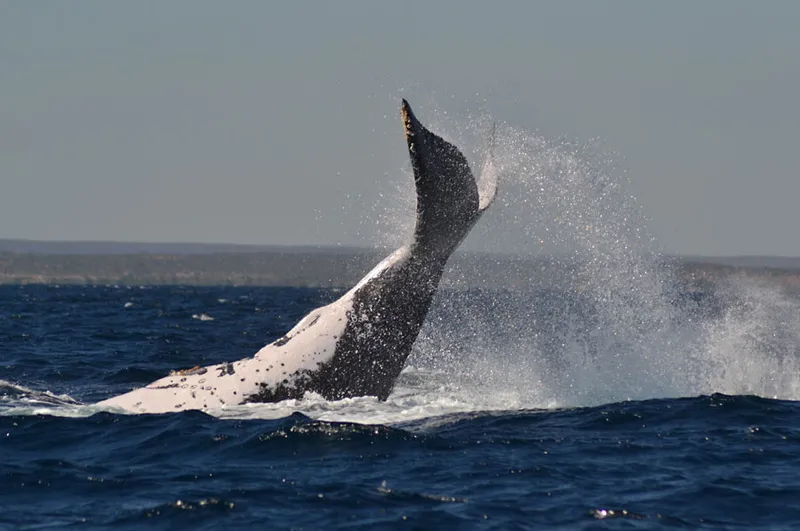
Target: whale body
[[358, 344]]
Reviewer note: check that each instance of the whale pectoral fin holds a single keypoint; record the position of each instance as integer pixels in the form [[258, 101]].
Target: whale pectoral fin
[[487, 184]]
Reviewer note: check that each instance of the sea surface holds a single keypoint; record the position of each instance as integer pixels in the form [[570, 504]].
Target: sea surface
[[517, 410]]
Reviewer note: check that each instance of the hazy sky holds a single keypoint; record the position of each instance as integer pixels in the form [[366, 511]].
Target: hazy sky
[[277, 122]]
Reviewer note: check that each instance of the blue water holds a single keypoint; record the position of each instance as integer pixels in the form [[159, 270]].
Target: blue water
[[476, 436]]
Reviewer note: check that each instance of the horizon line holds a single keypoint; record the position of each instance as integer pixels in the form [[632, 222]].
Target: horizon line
[[9, 245]]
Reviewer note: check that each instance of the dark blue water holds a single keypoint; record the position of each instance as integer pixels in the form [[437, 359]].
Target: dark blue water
[[438, 455]]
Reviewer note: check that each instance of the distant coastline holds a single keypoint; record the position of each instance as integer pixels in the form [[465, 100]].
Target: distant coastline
[[40, 262], [162, 248]]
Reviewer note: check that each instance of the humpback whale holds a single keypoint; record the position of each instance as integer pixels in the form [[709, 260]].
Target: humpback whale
[[358, 344]]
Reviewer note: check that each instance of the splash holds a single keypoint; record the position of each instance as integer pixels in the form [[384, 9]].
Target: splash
[[598, 314], [754, 347]]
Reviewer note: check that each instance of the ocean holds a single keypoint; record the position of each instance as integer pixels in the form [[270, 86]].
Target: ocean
[[592, 408]]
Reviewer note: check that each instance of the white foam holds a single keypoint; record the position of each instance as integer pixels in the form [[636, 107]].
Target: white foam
[[420, 394]]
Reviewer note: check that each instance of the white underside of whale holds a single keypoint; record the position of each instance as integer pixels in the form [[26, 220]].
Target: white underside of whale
[[311, 342]]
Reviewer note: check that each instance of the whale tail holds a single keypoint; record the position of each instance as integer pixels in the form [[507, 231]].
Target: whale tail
[[449, 200]]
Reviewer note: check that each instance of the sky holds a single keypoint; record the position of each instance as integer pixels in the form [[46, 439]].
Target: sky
[[278, 122]]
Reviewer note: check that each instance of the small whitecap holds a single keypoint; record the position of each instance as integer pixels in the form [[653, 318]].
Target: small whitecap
[[203, 317], [128, 304]]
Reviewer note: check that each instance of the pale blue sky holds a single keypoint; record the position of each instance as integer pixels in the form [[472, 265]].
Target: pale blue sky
[[276, 122]]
